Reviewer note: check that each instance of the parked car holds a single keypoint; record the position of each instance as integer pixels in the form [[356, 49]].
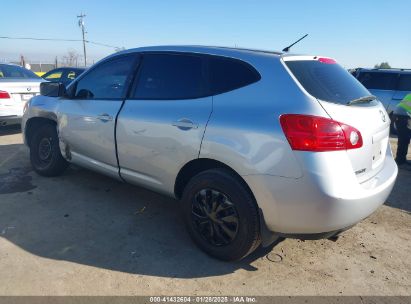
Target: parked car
[[254, 144], [63, 75], [17, 86], [389, 85]]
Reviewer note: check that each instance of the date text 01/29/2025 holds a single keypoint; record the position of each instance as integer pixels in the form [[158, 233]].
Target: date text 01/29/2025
[[202, 299]]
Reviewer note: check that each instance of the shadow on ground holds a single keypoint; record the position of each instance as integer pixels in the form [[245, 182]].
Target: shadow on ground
[[399, 197], [87, 218], [10, 130]]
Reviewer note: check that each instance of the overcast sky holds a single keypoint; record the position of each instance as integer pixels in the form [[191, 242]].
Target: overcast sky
[[355, 33]]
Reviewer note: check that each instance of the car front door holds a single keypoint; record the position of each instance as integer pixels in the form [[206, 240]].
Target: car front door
[[161, 125], [86, 120]]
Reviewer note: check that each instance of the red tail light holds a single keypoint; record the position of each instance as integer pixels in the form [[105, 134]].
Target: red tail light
[[327, 60], [4, 95], [319, 134]]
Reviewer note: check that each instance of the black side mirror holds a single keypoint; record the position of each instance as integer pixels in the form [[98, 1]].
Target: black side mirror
[[53, 89]]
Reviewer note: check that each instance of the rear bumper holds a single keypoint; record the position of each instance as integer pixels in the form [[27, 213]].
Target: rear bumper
[[10, 114], [10, 120], [323, 200]]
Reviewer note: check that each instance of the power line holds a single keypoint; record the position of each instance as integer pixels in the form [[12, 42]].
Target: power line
[[31, 38], [102, 44], [59, 39]]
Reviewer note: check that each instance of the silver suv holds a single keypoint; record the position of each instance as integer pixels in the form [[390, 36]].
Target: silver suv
[[255, 144]]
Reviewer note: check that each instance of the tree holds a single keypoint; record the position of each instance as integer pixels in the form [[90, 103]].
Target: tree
[[382, 65], [71, 59]]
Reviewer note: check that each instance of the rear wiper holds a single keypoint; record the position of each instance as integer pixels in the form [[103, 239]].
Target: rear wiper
[[362, 99]]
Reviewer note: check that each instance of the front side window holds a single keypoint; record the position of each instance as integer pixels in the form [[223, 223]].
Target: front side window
[[404, 83], [171, 76], [53, 76], [108, 80], [378, 80]]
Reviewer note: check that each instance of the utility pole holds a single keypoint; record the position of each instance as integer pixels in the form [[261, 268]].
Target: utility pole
[[83, 31]]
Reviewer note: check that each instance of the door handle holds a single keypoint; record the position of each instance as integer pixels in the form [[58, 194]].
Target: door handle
[[104, 117], [185, 124]]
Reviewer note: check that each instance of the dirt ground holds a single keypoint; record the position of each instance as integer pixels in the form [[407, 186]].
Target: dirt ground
[[86, 234]]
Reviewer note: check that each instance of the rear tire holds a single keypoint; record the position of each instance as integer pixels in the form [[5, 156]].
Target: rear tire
[[221, 215], [45, 155]]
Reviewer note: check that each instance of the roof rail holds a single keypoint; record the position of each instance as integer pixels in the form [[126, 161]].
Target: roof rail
[[400, 69]]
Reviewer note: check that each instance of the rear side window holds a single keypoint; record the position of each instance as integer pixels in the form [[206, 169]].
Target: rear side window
[[378, 80], [404, 83], [228, 74], [171, 76], [327, 81]]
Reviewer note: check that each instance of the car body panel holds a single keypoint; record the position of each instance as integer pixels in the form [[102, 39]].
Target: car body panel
[[327, 197], [386, 98], [153, 143], [369, 159], [85, 136]]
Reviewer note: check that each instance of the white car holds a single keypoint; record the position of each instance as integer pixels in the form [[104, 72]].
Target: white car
[[17, 86]]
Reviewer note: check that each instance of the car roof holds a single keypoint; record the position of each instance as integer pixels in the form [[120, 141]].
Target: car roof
[[68, 68], [220, 50], [10, 64]]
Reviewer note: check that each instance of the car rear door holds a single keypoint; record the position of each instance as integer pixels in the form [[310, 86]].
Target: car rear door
[[86, 121], [161, 125], [334, 88]]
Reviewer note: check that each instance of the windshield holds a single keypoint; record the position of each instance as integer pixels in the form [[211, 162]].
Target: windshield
[[327, 81], [14, 71]]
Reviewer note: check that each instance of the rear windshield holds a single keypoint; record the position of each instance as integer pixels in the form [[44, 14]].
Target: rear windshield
[[327, 81], [11, 71], [378, 80]]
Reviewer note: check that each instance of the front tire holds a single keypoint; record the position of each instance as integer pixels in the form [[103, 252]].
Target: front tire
[[221, 215], [45, 155]]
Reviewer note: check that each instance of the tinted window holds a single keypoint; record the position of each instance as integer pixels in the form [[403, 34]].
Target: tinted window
[[328, 82], [230, 74], [171, 76], [72, 74], [11, 71], [404, 83], [378, 80], [54, 75], [107, 80]]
